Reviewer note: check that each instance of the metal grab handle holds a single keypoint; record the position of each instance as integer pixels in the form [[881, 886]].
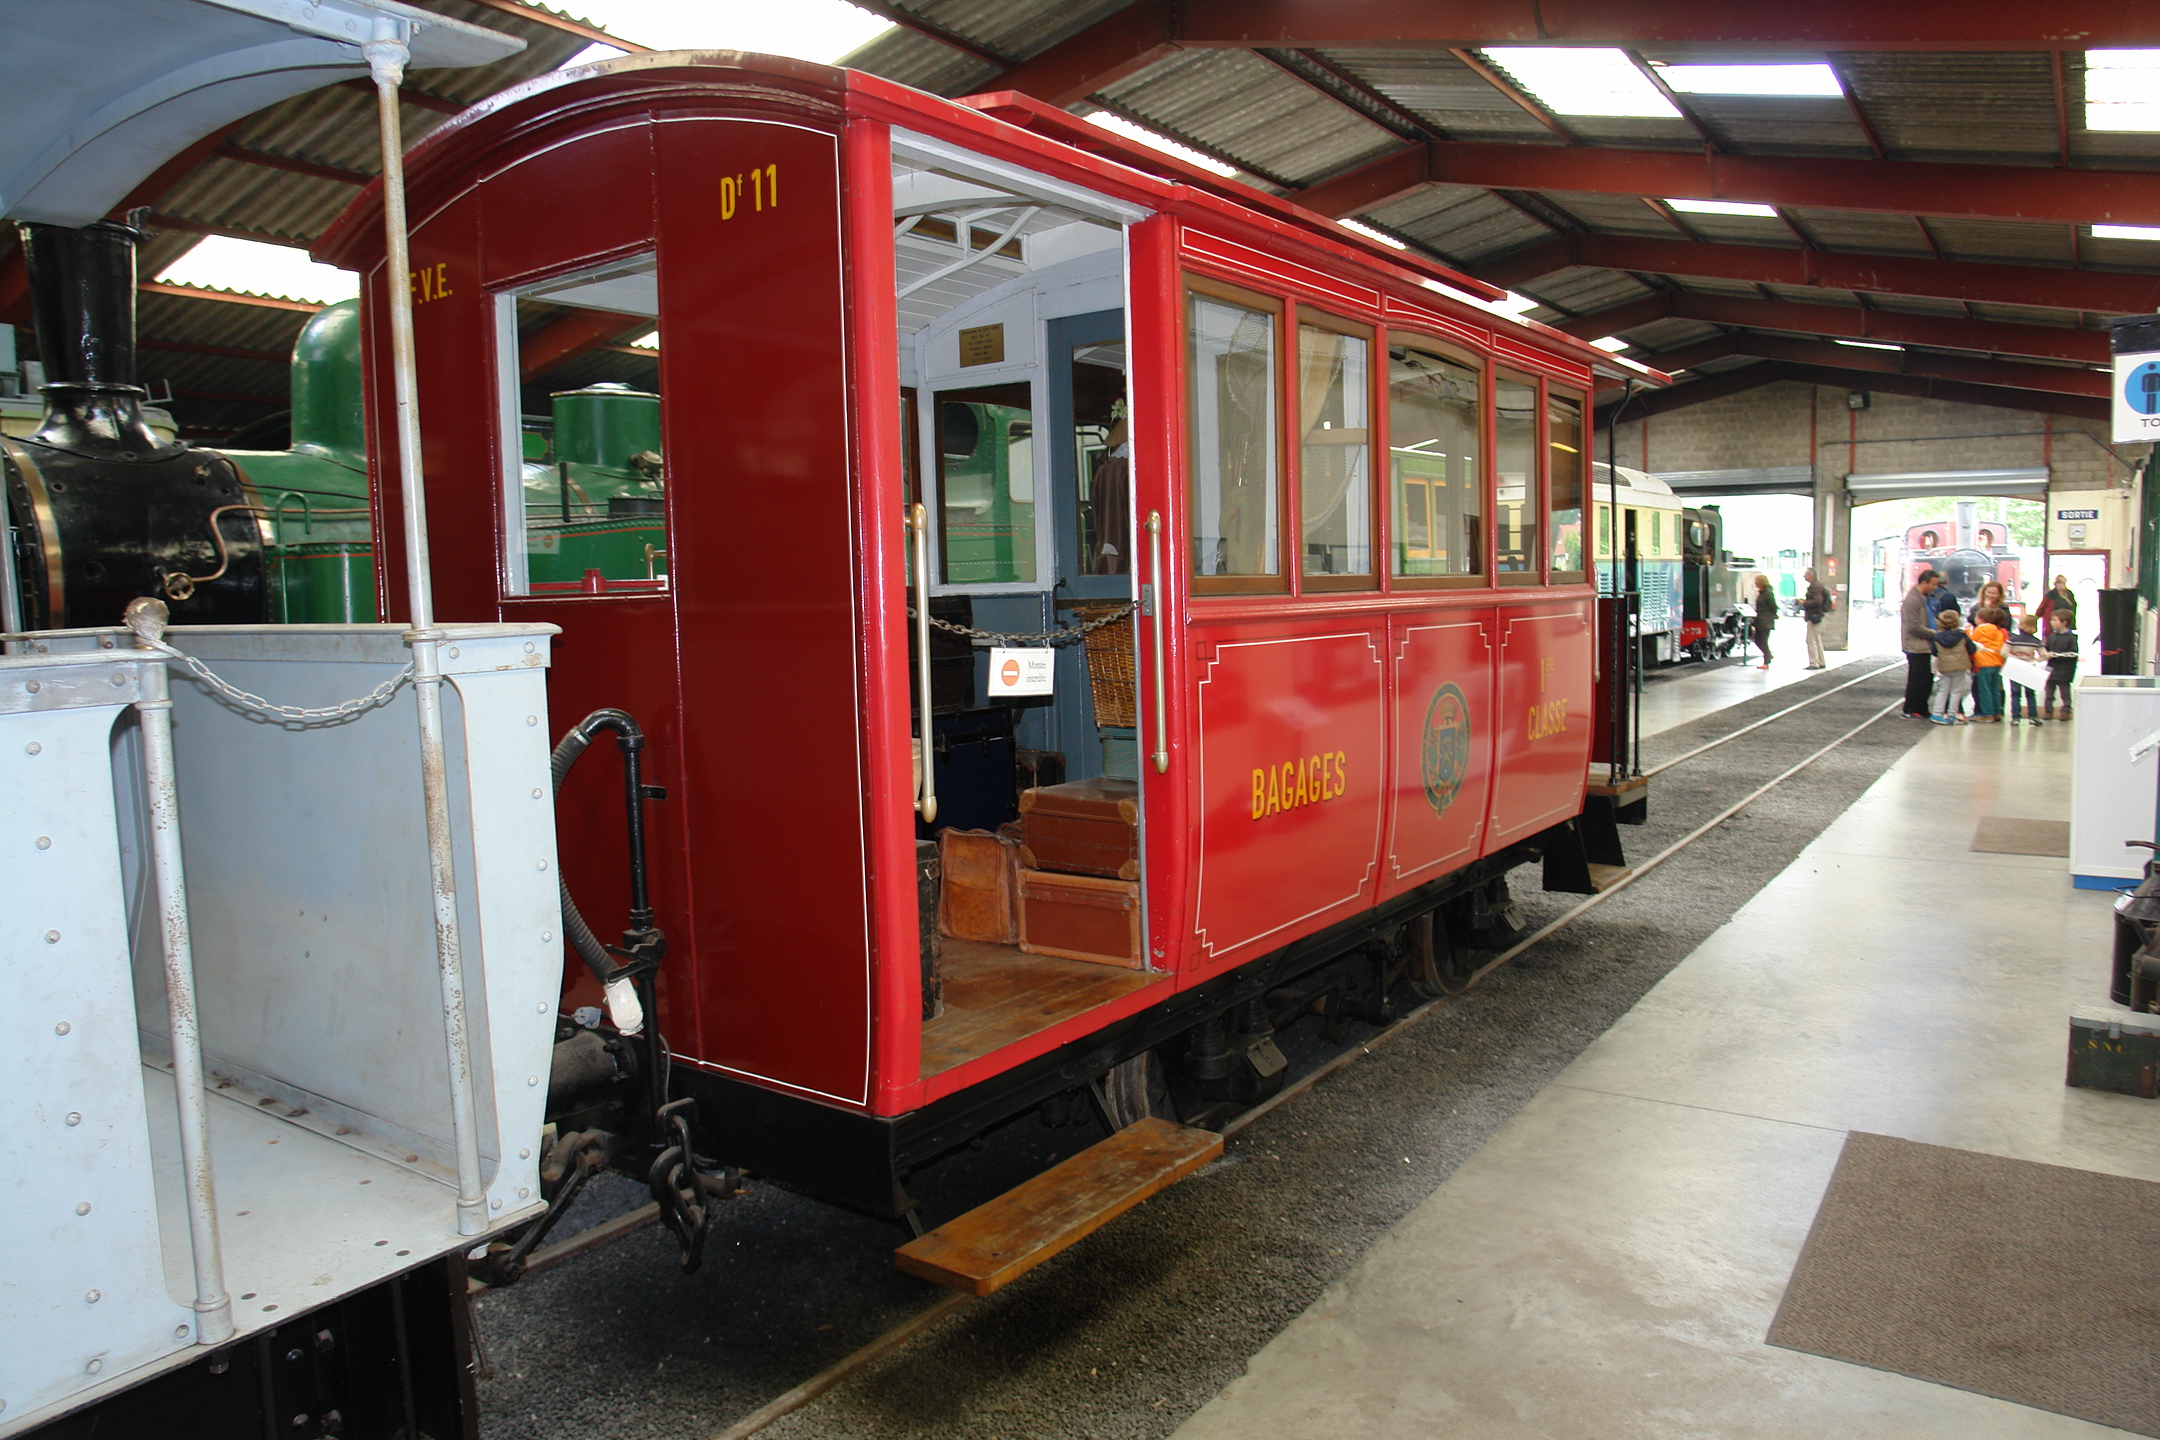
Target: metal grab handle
[[1161, 756], [926, 797]]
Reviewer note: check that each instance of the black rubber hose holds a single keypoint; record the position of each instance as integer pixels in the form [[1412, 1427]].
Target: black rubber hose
[[580, 935]]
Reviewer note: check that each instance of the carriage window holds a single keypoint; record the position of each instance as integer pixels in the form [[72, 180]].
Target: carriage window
[[1515, 453], [586, 505], [1435, 478], [1335, 425], [986, 484], [1563, 444], [1234, 428]]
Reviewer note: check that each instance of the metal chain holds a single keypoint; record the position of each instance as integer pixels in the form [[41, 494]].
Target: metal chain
[[378, 696], [1063, 635]]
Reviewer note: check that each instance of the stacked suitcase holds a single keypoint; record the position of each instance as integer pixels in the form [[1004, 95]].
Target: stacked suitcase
[[1079, 871]]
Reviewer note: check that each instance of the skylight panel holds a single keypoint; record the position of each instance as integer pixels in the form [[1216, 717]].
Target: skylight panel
[[219, 262], [1140, 134], [1371, 234], [1510, 306], [2120, 90], [1765, 80], [1582, 82], [1720, 207], [1870, 345], [650, 340], [1611, 343], [823, 31], [2124, 232]]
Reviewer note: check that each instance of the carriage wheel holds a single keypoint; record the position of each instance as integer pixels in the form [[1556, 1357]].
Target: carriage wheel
[[1136, 1090]]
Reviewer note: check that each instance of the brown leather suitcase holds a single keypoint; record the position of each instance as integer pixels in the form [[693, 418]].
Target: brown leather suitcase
[[1084, 827], [1081, 917], [975, 901]]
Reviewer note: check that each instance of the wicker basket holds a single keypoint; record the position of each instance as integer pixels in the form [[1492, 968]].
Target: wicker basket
[[1110, 665]]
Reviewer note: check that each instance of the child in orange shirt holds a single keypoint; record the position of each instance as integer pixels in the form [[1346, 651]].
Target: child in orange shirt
[[1990, 636]]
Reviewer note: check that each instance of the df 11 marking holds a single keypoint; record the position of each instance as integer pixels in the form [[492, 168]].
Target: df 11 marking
[[757, 189]]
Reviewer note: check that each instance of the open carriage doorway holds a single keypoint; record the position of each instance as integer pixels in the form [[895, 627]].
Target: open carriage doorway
[[1013, 366]]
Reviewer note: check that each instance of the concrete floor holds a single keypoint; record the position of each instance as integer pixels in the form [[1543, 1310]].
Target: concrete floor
[[1608, 1263]]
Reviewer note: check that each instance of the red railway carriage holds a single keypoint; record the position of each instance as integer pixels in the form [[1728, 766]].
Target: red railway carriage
[[1340, 498]]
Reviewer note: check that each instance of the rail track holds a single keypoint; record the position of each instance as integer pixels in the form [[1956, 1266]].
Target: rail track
[[899, 1335]]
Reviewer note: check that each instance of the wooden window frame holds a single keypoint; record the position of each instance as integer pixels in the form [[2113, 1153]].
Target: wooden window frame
[[1281, 582], [1536, 503], [1457, 352], [1551, 391], [1300, 316]]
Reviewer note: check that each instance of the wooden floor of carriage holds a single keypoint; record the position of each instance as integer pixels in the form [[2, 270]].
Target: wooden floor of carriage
[[1647, 1170]]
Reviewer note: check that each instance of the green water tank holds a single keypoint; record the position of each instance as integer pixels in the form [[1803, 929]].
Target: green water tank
[[326, 387], [604, 425]]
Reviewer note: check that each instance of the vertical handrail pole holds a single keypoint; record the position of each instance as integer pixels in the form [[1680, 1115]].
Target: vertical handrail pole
[[212, 1304], [386, 56], [1161, 757], [926, 798]]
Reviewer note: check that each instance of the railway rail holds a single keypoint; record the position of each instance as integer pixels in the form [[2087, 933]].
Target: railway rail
[[904, 1332]]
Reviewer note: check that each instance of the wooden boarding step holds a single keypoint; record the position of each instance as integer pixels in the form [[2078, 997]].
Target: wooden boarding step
[[1604, 877], [998, 1242]]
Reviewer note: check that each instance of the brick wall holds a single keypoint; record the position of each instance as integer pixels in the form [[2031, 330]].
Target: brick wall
[[1771, 426]]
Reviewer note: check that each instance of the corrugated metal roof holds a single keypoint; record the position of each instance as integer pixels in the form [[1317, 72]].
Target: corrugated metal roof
[[1583, 290], [1237, 103], [2005, 240], [1458, 223], [1860, 230], [1997, 108], [1295, 118], [1760, 125], [1443, 91]]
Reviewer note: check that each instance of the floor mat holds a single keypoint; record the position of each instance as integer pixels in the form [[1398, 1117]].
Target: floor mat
[[2032, 1283], [2008, 835]]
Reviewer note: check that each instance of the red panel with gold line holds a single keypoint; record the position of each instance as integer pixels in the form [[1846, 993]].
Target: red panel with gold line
[[1443, 745], [1541, 729], [1292, 761]]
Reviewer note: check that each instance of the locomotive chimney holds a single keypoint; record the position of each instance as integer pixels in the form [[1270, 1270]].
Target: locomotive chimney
[[82, 289]]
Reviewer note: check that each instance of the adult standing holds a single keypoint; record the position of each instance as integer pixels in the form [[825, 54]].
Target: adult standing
[[1916, 625], [2058, 600], [1992, 597], [1814, 604], [1765, 617]]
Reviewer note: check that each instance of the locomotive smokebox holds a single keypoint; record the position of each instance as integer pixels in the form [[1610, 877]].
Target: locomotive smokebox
[[104, 511]]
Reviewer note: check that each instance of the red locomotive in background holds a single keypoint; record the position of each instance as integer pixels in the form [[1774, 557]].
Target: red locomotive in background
[[1968, 552], [983, 365]]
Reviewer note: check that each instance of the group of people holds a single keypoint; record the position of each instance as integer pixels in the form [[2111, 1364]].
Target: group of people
[[1951, 661]]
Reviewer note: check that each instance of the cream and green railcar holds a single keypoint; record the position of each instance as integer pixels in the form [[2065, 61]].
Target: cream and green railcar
[[1640, 539]]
